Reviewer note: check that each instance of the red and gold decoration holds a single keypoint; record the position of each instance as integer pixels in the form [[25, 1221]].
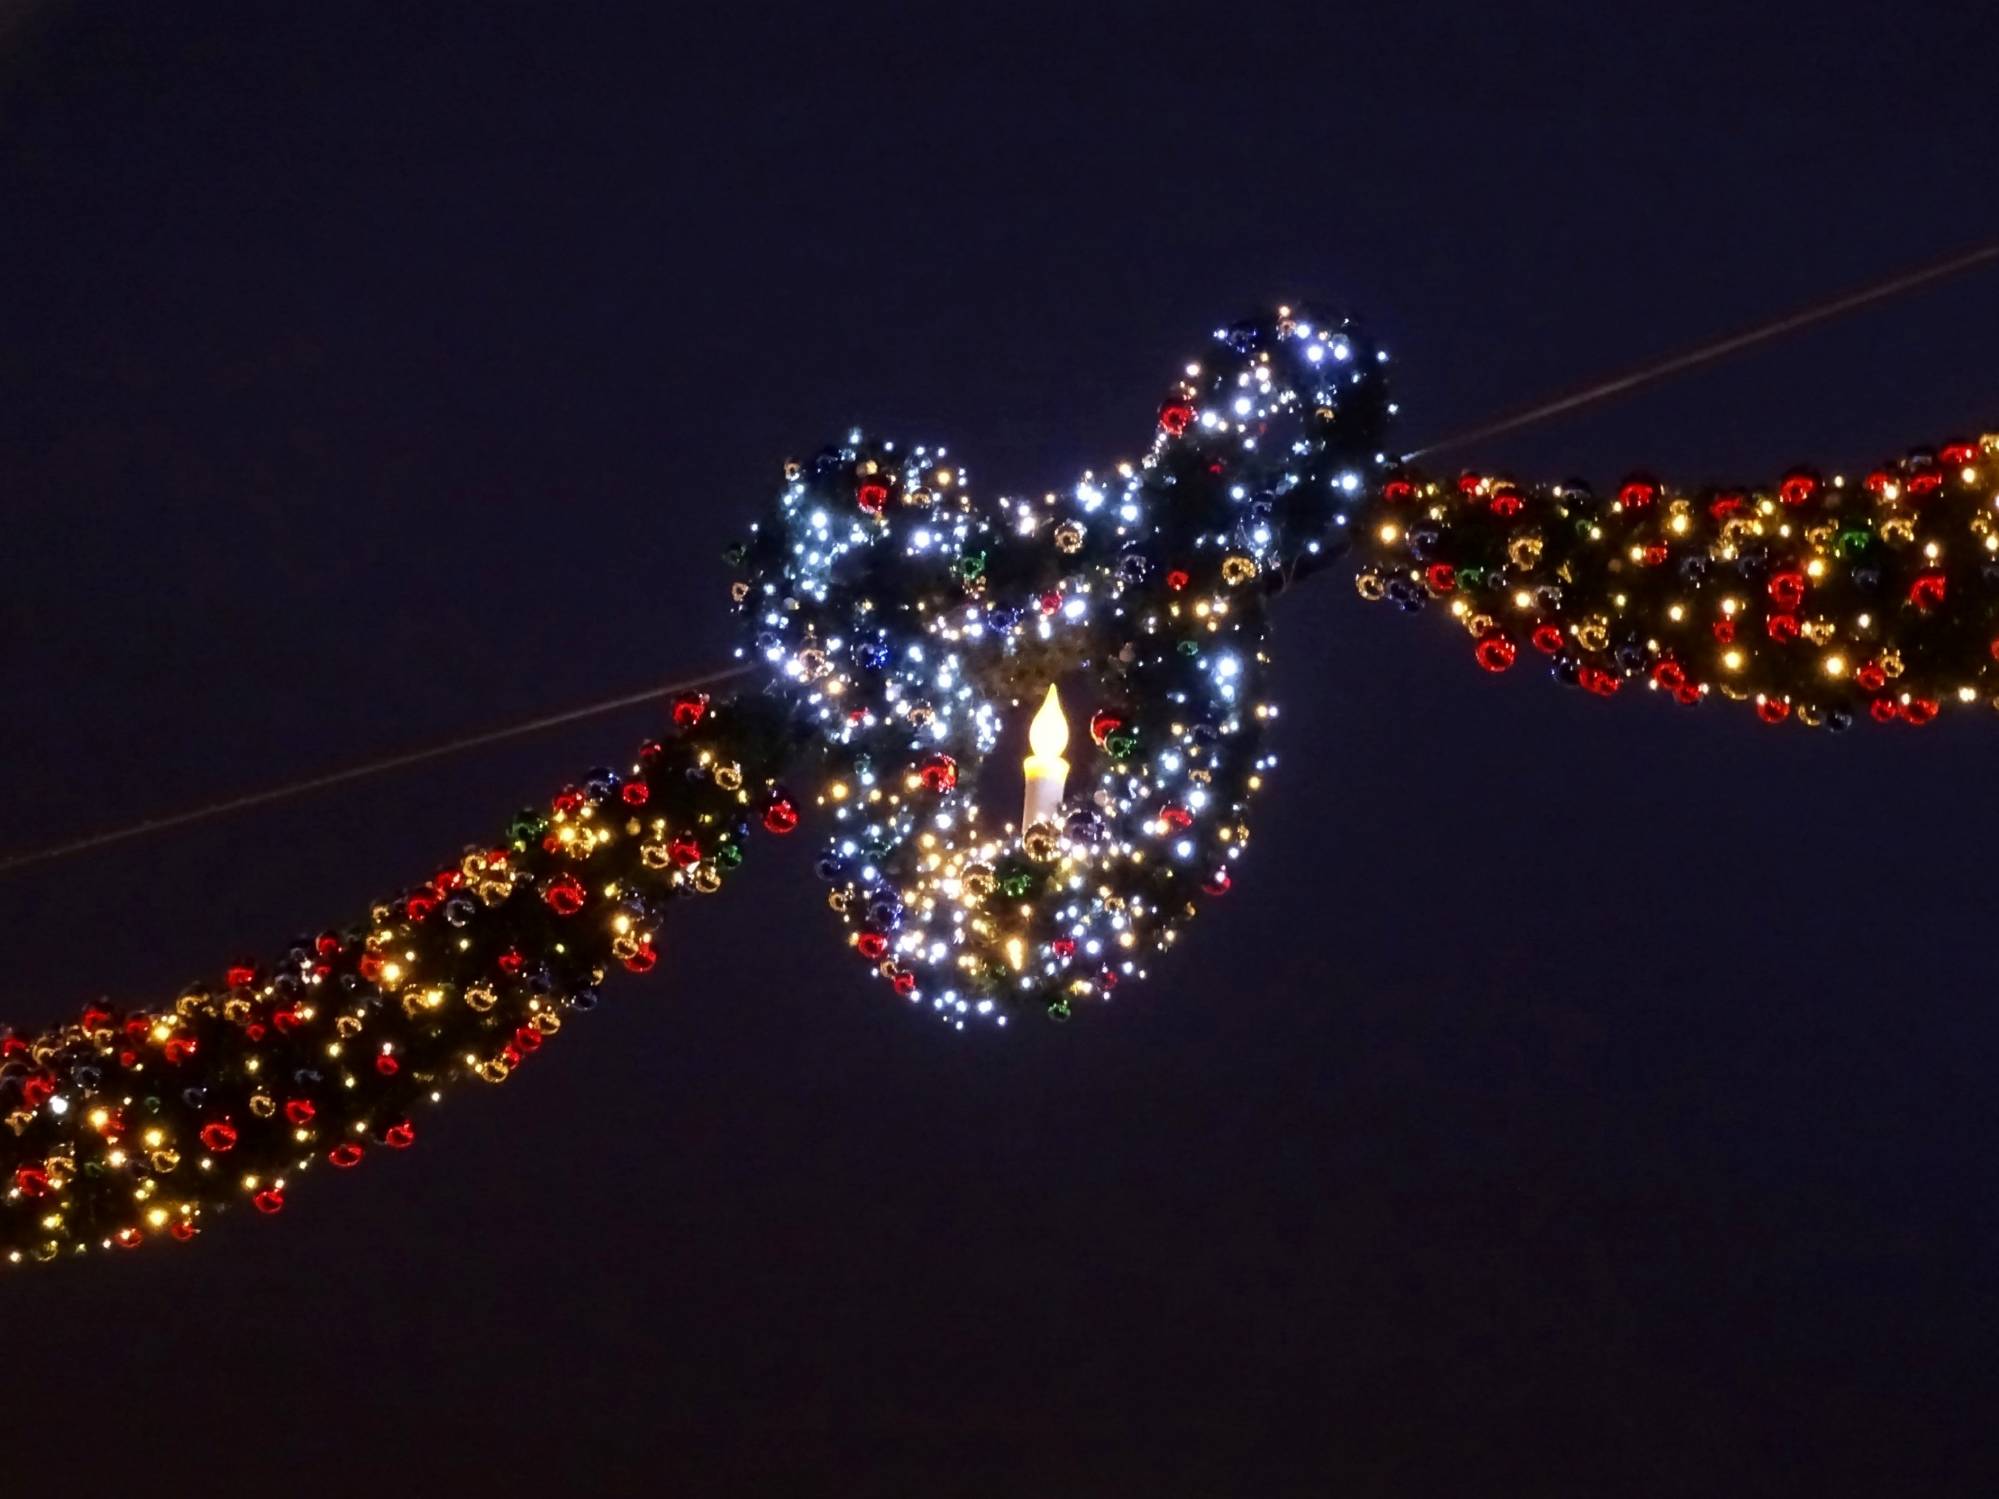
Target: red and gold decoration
[[1816, 600], [1112, 637]]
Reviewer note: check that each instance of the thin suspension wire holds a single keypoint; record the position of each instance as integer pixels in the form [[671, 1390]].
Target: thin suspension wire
[[360, 772], [1818, 312], [1600, 390]]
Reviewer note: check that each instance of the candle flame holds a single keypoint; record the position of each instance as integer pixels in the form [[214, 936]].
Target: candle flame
[[1048, 733]]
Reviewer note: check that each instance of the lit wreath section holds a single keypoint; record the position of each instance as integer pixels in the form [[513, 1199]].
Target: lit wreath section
[[909, 623]]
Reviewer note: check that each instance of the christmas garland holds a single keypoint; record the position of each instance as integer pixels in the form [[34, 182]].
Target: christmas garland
[[902, 625], [1815, 600]]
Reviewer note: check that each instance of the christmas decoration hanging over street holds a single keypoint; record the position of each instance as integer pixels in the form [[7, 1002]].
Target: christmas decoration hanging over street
[[909, 629]]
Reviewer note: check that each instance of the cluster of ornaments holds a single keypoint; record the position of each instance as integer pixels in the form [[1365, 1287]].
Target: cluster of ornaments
[[911, 622], [122, 1129], [1815, 600], [914, 636]]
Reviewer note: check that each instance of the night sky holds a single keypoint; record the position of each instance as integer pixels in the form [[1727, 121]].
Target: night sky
[[1569, 1098]]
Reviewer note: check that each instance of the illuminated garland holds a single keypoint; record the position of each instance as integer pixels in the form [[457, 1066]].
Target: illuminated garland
[[126, 1127], [1815, 600], [903, 625]]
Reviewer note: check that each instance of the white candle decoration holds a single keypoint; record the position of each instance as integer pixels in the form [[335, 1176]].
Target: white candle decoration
[[1046, 771]]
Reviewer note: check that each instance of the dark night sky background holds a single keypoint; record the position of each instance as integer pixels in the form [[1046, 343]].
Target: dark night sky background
[[1571, 1098]]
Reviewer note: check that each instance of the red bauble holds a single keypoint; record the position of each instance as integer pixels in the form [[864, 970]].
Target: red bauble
[[872, 945], [1798, 486], [643, 959], [1177, 578], [387, 1065], [1787, 588], [1670, 675], [511, 962], [1595, 679], [688, 709], [1495, 652], [781, 816], [270, 1200], [1927, 592], [684, 850], [1546, 638], [1883, 710], [1441, 576], [905, 983], [32, 1181], [565, 895], [1218, 883], [301, 1111], [1724, 630], [1773, 710], [1725, 504], [128, 1238], [1782, 628], [1103, 725], [635, 793], [1395, 491], [218, 1136], [1063, 948], [940, 773], [871, 495], [1177, 818], [182, 1230], [1175, 417], [1506, 502], [1957, 454], [1925, 481], [399, 1136], [1921, 710], [1637, 492], [346, 1154], [1871, 676], [240, 976], [1051, 601]]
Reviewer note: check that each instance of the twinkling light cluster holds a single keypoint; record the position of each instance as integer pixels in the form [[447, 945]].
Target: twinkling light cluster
[[910, 623], [1815, 600], [126, 1127]]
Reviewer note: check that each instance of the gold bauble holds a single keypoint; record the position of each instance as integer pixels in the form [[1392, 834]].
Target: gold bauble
[[1042, 842]]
